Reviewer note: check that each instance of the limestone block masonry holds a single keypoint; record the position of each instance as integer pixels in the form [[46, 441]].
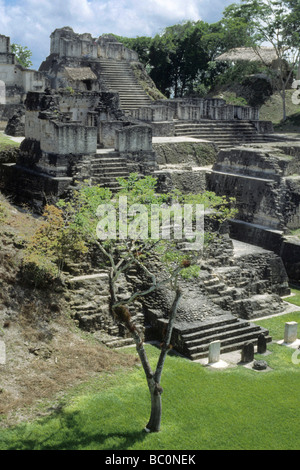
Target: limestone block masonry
[[62, 132], [265, 180], [15, 80], [101, 64]]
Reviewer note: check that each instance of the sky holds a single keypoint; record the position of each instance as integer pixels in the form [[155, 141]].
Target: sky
[[30, 22]]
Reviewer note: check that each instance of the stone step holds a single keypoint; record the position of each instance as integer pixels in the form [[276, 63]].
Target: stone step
[[214, 327], [231, 331], [107, 179], [84, 307], [112, 160], [138, 102], [132, 100], [234, 342], [119, 77], [224, 134], [110, 175], [225, 139], [109, 172], [212, 122], [216, 287], [90, 322], [211, 282], [202, 326], [113, 186], [215, 126], [119, 342], [224, 301], [109, 166], [219, 134], [80, 309], [76, 302], [126, 84], [225, 348], [227, 334]]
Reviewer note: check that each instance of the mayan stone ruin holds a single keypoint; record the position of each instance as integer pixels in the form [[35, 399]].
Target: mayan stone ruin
[[15, 81], [87, 117]]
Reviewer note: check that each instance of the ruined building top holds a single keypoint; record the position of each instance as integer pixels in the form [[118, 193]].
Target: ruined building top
[[66, 43], [6, 55]]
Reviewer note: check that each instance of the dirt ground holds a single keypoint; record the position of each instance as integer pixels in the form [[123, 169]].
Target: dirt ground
[[37, 369], [45, 353]]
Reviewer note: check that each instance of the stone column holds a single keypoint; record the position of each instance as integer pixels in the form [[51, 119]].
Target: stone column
[[214, 352], [290, 332], [247, 352], [261, 344]]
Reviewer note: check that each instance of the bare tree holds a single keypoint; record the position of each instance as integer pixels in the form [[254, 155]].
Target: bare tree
[[178, 258]]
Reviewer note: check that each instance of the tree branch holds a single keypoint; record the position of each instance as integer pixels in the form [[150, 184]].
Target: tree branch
[[166, 343]]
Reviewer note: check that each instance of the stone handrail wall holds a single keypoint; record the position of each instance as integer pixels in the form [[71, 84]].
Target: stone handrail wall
[[195, 110]]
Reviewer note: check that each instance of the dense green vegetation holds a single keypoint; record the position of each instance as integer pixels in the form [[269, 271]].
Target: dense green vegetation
[[182, 59], [235, 408], [23, 55]]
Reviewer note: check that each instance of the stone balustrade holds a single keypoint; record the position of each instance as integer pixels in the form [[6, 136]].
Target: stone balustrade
[[194, 110]]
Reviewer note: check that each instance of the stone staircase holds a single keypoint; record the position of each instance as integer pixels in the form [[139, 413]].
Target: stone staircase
[[89, 301], [106, 167], [239, 291], [118, 77], [223, 133], [193, 340]]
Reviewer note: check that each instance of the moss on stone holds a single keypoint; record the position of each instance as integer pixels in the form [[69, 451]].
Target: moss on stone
[[185, 152], [146, 82]]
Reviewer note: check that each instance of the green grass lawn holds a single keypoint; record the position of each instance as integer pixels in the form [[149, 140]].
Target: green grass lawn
[[271, 110], [233, 408], [6, 142]]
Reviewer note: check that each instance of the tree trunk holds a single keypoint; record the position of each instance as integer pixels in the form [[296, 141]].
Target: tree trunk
[[154, 383], [156, 408], [283, 105]]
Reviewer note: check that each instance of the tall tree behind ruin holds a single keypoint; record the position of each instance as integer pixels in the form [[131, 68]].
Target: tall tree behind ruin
[[277, 24], [183, 56], [23, 55]]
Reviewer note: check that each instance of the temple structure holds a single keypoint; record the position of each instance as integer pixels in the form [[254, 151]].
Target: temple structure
[[97, 120], [15, 80]]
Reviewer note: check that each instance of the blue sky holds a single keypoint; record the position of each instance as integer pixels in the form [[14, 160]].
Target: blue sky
[[30, 22]]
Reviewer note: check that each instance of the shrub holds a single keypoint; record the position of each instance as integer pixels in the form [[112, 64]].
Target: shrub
[[40, 256]]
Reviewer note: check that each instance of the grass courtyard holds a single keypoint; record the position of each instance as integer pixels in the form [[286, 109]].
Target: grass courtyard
[[7, 143], [235, 408]]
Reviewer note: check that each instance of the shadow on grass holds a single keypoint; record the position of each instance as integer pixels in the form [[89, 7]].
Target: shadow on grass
[[291, 124], [69, 435]]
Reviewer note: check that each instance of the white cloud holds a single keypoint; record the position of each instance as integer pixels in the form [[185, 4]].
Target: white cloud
[[30, 22]]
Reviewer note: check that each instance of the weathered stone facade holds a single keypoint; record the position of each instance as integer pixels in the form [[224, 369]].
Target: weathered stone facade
[[74, 59], [61, 140], [265, 181], [195, 109], [15, 80]]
